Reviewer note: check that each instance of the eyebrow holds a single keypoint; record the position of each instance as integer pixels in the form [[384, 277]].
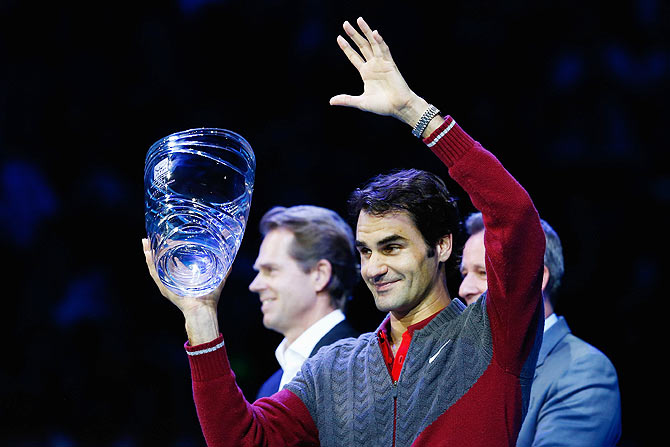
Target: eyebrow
[[263, 265], [476, 266], [382, 242]]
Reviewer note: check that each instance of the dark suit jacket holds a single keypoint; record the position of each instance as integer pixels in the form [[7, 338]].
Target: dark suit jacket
[[341, 330], [574, 400]]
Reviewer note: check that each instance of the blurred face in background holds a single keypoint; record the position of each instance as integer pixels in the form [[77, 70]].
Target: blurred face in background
[[473, 269], [288, 294]]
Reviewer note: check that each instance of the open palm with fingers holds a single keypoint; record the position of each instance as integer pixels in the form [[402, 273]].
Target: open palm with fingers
[[385, 91]]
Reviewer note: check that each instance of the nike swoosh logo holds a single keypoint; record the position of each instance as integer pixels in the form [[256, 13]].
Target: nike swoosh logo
[[430, 360]]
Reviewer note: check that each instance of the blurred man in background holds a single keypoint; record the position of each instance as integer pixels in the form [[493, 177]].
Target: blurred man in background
[[575, 395], [307, 268]]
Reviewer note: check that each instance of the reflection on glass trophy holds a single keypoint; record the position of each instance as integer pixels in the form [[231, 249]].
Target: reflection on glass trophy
[[198, 186]]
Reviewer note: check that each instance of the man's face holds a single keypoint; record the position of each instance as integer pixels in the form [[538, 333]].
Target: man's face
[[394, 261], [287, 293], [473, 269]]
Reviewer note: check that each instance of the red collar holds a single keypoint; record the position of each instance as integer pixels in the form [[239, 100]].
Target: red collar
[[394, 363]]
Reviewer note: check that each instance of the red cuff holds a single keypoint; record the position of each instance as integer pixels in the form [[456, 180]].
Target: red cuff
[[449, 142], [208, 360]]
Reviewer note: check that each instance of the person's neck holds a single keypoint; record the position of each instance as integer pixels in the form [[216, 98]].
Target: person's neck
[[548, 308], [426, 308], [306, 321]]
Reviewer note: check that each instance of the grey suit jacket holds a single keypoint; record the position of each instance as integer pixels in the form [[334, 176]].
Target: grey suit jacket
[[574, 400]]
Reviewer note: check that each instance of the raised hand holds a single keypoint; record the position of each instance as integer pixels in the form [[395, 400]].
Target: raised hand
[[385, 91]]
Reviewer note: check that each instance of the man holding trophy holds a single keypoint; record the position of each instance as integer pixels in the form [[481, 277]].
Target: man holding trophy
[[435, 372]]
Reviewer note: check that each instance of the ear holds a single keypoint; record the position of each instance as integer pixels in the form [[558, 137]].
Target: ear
[[444, 247], [321, 273], [545, 277]]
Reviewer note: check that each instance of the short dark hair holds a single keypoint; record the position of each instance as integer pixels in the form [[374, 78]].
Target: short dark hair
[[422, 195], [319, 233], [553, 253]]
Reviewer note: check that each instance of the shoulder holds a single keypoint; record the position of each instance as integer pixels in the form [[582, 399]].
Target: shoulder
[[579, 359], [579, 350], [343, 348], [352, 343], [576, 375], [584, 352], [342, 330]]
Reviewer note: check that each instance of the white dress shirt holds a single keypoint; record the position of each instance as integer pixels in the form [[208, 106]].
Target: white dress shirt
[[292, 357]]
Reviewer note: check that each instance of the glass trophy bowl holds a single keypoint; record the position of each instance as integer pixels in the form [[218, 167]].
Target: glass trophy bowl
[[198, 185]]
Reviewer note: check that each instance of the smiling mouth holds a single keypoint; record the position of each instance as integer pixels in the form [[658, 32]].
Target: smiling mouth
[[383, 286]]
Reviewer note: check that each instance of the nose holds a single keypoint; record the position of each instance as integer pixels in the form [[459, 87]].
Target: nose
[[257, 284], [373, 267], [469, 288]]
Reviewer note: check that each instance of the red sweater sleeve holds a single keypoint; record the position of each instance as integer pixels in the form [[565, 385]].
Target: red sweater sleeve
[[513, 238], [228, 420]]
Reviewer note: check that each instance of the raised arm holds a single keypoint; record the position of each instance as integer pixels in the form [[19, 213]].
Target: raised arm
[[200, 313], [226, 418], [514, 239]]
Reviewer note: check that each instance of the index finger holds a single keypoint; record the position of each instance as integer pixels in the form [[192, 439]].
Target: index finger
[[355, 58]]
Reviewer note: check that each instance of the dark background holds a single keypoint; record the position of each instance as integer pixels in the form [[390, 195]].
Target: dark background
[[571, 96]]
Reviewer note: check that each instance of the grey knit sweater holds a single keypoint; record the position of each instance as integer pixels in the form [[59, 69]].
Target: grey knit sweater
[[350, 394]]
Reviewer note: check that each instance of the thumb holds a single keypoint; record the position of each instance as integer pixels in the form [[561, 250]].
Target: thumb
[[345, 100]]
